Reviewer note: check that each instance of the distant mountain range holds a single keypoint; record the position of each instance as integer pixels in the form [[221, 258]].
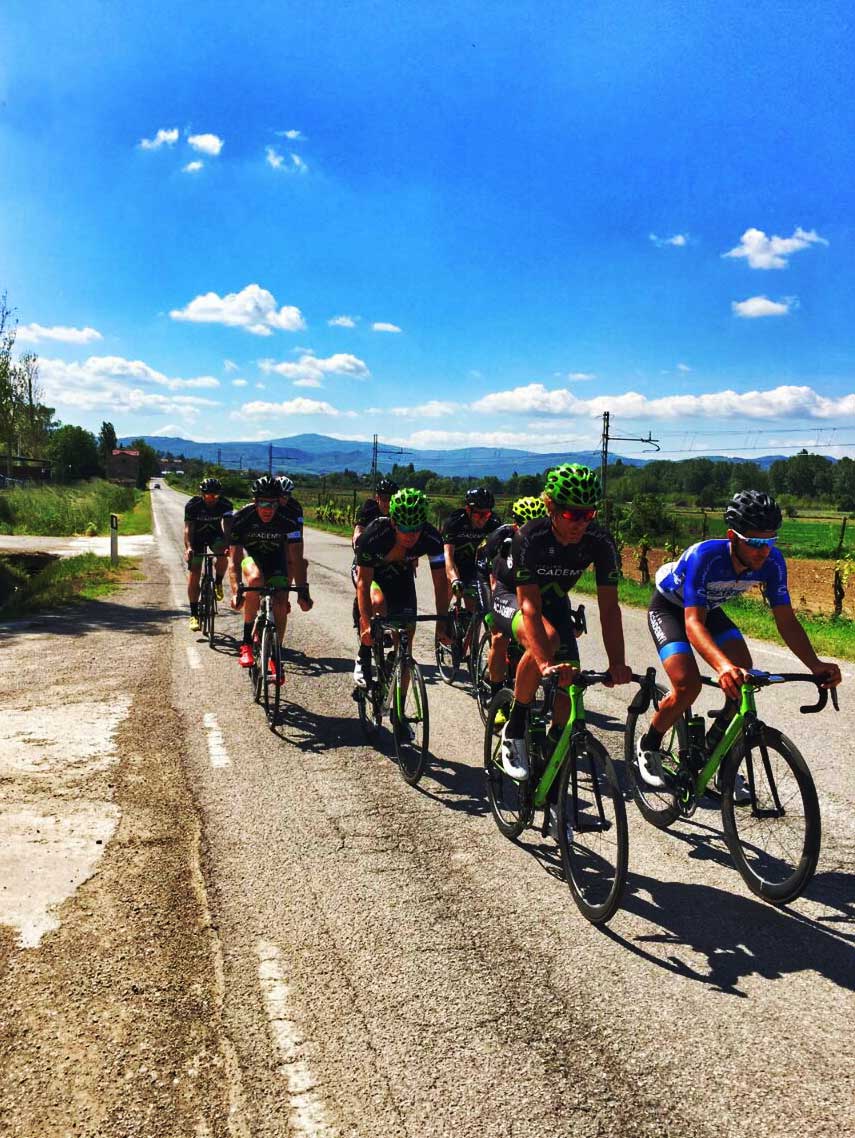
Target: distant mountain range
[[320, 454]]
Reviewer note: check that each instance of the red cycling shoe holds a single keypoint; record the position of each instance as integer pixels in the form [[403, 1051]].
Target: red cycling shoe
[[271, 667], [245, 659]]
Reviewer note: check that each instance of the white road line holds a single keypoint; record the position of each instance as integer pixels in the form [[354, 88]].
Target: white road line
[[193, 658], [216, 746], [308, 1113]]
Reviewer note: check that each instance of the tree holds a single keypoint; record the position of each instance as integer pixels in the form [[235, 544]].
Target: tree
[[73, 453], [149, 462], [106, 444]]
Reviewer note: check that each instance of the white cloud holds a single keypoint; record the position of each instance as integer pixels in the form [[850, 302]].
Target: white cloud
[[206, 143], [273, 157], [310, 370], [33, 333], [253, 308], [239, 383], [192, 167], [434, 409], [261, 386], [451, 440], [293, 135], [580, 376], [298, 164], [343, 321], [277, 161], [99, 384], [785, 402], [683, 367], [678, 241], [298, 406], [162, 138], [764, 252], [230, 365], [380, 326], [761, 306]]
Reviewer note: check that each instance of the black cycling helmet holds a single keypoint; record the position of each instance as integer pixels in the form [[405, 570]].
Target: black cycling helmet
[[286, 483], [387, 487], [480, 498], [752, 509], [265, 487], [210, 486]]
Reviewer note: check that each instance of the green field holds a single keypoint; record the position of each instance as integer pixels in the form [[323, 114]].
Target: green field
[[82, 508], [66, 581]]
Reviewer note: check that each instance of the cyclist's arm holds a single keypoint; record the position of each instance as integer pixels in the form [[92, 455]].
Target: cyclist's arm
[[235, 558], [451, 571], [796, 639], [227, 528], [297, 564], [441, 594], [531, 607], [611, 624], [188, 535], [364, 577]]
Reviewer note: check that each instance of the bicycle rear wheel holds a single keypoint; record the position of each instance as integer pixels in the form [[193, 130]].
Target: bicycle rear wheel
[[592, 830], [448, 655], [271, 653], [775, 840], [659, 807], [204, 606], [510, 801], [481, 675], [411, 725]]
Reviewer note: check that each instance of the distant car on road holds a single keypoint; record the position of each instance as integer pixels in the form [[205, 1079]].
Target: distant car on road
[[156, 486]]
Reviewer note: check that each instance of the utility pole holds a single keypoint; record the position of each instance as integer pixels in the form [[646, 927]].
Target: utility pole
[[219, 456], [374, 466], [270, 461], [604, 449]]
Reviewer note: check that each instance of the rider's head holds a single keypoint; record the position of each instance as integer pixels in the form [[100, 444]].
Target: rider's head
[[386, 487], [571, 495], [527, 509], [408, 511], [210, 489], [753, 518], [266, 493], [479, 505], [286, 487]]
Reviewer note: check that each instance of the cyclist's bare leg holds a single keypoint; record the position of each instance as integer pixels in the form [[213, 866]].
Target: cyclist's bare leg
[[497, 660], [251, 576], [682, 670], [220, 566], [528, 673], [280, 615], [193, 583]]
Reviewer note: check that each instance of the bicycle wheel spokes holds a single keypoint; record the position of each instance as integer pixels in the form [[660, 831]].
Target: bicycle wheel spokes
[[510, 801], [659, 807], [212, 613], [775, 839], [448, 655], [483, 691], [271, 655], [411, 725], [592, 831]]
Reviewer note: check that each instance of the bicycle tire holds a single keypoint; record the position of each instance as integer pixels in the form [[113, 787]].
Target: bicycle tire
[[592, 830], [658, 807], [256, 672], [411, 710], [212, 613], [481, 676], [369, 713], [510, 801], [271, 650], [448, 655], [203, 607], [777, 877]]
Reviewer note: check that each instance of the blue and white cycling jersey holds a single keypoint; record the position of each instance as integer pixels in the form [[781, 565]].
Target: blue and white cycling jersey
[[704, 577]]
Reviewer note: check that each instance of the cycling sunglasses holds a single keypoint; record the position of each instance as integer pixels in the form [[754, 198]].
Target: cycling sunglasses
[[480, 513], [266, 503], [583, 514], [756, 542], [408, 529]]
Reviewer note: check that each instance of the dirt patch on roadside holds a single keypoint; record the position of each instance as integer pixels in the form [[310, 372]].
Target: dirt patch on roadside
[[811, 582], [112, 1026]]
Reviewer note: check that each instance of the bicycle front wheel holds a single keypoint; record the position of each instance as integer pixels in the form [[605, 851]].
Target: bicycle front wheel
[[775, 839], [659, 807], [212, 614], [592, 830], [204, 606], [510, 800], [481, 675], [271, 674], [411, 725], [448, 655]]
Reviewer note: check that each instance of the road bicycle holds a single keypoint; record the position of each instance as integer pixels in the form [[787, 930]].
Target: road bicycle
[[207, 599], [480, 669], [266, 680], [397, 689], [463, 629], [576, 787], [774, 836]]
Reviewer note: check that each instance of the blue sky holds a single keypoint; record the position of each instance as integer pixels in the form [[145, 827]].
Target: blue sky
[[450, 224]]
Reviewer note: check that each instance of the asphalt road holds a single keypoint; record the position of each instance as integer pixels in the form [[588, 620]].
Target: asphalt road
[[393, 966]]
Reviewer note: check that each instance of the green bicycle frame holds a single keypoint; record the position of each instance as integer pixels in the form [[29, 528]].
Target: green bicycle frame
[[747, 707], [577, 715]]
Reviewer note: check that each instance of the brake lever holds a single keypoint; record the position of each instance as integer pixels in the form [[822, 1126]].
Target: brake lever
[[810, 708], [835, 702]]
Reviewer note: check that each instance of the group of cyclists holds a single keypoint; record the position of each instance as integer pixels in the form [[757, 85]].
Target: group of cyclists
[[518, 576]]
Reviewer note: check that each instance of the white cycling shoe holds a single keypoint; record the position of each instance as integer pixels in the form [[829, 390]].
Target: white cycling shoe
[[359, 675], [646, 763], [741, 792], [514, 757]]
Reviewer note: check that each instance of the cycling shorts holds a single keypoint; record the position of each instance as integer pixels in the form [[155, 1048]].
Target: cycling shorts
[[218, 546], [667, 624], [273, 568], [508, 620]]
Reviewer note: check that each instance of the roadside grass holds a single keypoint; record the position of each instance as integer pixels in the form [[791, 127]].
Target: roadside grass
[[68, 581], [59, 511], [834, 636], [138, 519]]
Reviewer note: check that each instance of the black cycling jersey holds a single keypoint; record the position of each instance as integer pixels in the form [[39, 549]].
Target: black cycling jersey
[[368, 511], [377, 540], [261, 539], [491, 548], [536, 557], [206, 522], [293, 511], [465, 537]]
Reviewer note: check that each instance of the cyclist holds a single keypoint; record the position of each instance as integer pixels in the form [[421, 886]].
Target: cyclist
[[685, 613], [523, 510], [206, 518], [385, 580], [546, 558], [371, 508], [463, 532], [265, 548]]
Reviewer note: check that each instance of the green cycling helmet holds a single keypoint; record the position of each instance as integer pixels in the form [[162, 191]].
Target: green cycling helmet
[[408, 507], [527, 509], [573, 485]]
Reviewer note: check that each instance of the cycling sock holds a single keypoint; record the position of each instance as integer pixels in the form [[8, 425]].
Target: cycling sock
[[496, 686], [218, 580], [652, 740], [517, 720], [247, 633], [365, 655], [194, 608]]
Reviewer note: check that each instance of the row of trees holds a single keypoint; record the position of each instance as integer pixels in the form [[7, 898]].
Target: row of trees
[[25, 421]]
